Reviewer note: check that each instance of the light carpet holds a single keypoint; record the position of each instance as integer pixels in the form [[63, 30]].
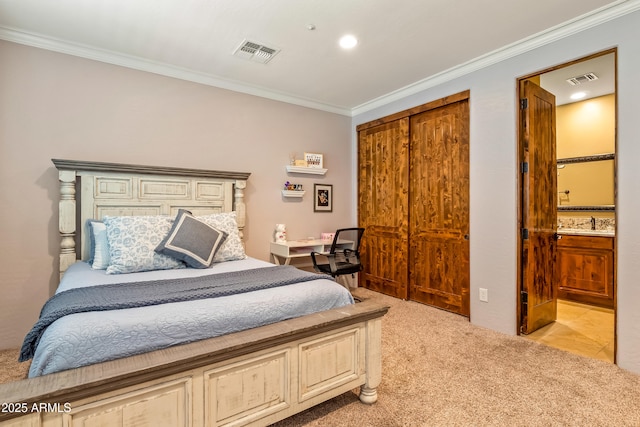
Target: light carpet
[[439, 370]]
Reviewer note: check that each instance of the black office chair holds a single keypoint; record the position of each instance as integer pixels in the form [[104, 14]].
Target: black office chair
[[344, 256]]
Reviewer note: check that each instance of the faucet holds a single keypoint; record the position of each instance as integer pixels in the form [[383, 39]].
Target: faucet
[[593, 223]]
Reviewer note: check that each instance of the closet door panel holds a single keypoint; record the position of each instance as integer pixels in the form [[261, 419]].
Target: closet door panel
[[383, 206], [439, 208]]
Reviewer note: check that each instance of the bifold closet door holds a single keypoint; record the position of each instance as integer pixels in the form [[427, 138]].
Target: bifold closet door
[[439, 207], [383, 172]]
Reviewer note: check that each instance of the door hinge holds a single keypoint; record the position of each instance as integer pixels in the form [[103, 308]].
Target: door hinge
[[524, 167], [524, 297], [524, 103], [525, 233]]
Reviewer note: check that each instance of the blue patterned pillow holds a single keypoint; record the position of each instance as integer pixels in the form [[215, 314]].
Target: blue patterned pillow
[[132, 244], [192, 241], [232, 248]]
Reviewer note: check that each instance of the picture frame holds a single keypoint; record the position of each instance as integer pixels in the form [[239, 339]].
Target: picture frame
[[313, 160], [322, 198]]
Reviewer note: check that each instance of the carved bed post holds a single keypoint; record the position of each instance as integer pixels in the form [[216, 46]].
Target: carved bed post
[[373, 361], [239, 206], [67, 219]]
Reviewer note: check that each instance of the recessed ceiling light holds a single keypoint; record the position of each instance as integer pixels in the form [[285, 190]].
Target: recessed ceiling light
[[578, 95], [348, 42]]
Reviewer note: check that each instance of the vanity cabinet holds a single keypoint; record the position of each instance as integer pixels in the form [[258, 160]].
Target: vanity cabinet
[[586, 269]]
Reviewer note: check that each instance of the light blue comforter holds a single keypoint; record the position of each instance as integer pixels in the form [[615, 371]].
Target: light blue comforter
[[85, 338]]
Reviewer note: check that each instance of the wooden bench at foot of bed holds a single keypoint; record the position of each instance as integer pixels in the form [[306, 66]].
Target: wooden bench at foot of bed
[[253, 377]]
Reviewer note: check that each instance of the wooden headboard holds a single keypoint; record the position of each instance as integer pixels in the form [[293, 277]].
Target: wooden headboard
[[91, 190]]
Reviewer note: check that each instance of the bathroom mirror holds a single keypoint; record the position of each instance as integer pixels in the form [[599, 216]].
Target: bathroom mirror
[[586, 183]]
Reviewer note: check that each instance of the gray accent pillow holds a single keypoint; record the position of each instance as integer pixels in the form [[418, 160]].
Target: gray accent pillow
[[192, 241]]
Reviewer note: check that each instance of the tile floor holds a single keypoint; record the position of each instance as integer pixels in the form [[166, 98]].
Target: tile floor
[[581, 329]]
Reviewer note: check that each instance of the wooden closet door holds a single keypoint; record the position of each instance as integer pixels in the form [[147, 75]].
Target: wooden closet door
[[383, 206], [439, 208]]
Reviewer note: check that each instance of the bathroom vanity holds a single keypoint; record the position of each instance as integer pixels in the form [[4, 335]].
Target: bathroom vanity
[[586, 224], [585, 262]]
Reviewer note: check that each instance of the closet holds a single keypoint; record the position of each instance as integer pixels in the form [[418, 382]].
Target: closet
[[413, 200]]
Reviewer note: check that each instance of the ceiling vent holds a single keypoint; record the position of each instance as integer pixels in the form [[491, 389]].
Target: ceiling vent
[[585, 78], [256, 52]]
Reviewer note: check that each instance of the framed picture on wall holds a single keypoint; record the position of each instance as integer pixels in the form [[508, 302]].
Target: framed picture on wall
[[314, 160], [323, 197]]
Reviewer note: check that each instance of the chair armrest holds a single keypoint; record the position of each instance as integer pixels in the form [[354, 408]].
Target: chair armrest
[[330, 258], [315, 261], [332, 262]]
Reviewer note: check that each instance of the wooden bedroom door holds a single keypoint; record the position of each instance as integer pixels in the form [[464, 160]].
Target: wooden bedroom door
[[439, 208], [383, 152], [538, 301]]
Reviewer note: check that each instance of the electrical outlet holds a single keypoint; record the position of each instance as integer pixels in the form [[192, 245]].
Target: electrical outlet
[[484, 295]]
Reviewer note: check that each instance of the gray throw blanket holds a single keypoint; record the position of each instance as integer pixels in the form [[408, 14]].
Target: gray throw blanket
[[154, 292]]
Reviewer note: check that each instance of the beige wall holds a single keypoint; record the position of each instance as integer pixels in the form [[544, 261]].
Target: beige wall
[[57, 106], [586, 128]]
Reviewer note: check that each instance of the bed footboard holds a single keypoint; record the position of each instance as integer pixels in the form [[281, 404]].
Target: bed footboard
[[253, 377]]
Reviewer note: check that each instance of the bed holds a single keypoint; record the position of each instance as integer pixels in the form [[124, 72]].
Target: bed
[[277, 347]]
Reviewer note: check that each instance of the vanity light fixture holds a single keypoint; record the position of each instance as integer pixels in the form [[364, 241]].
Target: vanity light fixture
[[348, 41]]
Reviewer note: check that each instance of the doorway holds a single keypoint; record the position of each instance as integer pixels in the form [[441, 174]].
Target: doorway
[[567, 204]]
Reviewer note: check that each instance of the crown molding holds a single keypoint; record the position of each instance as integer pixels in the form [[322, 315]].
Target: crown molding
[[141, 64], [581, 23], [566, 29]]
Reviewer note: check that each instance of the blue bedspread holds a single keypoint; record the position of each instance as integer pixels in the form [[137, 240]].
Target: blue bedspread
[[155, 292], [86, 338]]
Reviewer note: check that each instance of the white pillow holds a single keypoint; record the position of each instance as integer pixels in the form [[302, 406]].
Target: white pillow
[[132, 243], [232, 248]]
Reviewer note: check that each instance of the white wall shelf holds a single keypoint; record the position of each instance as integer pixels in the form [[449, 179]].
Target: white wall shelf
[[293, 193], [304, 169]]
